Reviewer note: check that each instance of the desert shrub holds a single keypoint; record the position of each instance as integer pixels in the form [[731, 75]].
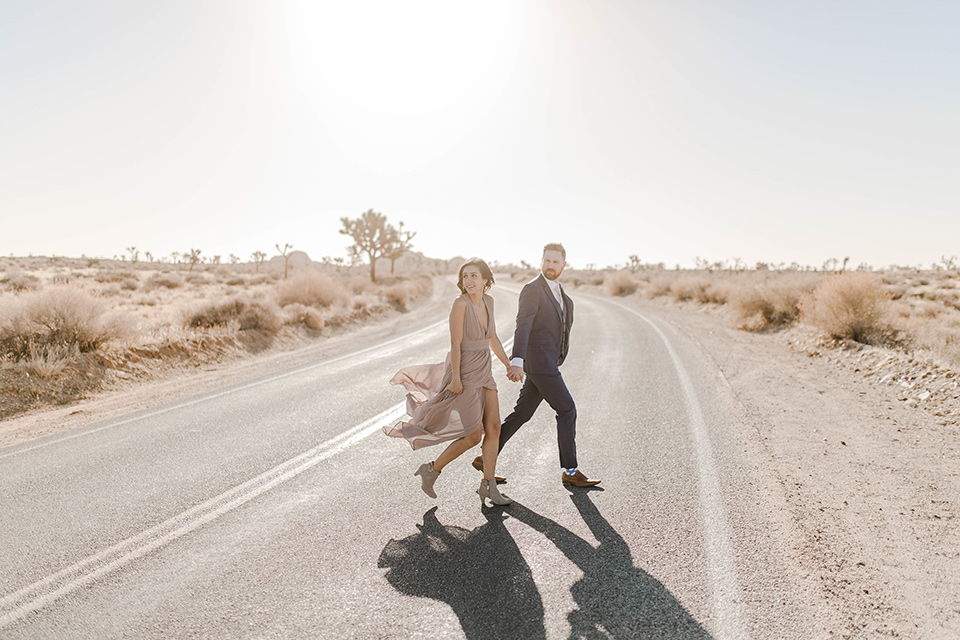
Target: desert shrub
[[312, 289], [42, 324], [158, 281], [113, 276], [398, 296], [362, 285], [767, 305], [247, 315], [660, 285], [897, 291], [130, 284], [947, 298], [48, 366], [20, 282], [689, 288], [851, 305], [260, 317], [402, 292], [236, 282], [420, 286], [264, 278], [716, 292], [941, 340], [307, 316], [620, 283]]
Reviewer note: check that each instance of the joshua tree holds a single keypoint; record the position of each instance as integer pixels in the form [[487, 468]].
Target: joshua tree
[[634, 263], [258, 257], [234, 258], [400, 246], [148, 256], [134, 254], [193, 257], [285, 252], [371, 235]]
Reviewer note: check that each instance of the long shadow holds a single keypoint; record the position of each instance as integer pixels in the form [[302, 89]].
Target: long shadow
[[481, 574], [614, 598]]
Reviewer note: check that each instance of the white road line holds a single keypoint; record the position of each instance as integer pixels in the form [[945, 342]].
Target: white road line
[[39, 594], [725, 587], [214, 396]]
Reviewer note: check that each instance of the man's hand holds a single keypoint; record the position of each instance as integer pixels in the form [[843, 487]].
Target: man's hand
[[515, 373]]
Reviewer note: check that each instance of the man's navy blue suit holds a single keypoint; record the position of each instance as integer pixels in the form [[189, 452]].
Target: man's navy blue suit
[[542, 338]]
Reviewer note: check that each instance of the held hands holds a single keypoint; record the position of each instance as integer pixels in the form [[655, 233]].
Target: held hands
[[515, 373], [456, 387]]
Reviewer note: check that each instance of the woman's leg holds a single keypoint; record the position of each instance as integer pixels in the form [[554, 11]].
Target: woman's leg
[[455, 448], [491, 433]]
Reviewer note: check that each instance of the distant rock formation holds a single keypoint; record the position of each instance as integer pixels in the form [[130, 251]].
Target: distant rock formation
[[298, 259]]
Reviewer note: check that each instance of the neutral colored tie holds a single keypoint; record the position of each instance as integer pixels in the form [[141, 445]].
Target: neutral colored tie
[[563, 321]]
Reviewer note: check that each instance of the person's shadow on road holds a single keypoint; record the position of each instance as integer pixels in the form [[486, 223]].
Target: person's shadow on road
[[614, 598], [484, 578], [481, 574]]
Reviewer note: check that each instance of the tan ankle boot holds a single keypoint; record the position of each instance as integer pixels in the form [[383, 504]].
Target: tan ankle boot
[[428, 475], [488, 490]]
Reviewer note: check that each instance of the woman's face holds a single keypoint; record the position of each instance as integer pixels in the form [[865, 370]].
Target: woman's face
[[472, 280]]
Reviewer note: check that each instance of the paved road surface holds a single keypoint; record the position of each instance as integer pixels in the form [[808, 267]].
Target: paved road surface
[[275, 508]]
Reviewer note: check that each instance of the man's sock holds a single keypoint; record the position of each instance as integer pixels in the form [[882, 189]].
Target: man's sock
[[570, 472]]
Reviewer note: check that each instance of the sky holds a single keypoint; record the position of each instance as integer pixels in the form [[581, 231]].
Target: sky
[[761, 131]]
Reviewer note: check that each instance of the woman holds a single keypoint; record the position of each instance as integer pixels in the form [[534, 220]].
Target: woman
[[463, 384]]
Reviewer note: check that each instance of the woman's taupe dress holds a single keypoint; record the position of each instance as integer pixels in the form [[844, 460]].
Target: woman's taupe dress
[[435, 413]]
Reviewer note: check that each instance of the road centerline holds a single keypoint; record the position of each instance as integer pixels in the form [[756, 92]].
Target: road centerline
[[43, 592]]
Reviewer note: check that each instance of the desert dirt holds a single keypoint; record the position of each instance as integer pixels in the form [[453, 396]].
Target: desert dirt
[[859, 454], [857, 447]]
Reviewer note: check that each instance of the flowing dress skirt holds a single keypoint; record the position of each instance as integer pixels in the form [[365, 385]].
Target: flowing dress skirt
[[435, 413]]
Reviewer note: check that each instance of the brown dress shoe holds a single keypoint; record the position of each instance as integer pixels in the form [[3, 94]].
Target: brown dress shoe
[[478, 465], [578, 479]]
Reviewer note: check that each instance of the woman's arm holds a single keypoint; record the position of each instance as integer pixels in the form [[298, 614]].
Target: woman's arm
[[499, 351], [457, 314], [495, 343]]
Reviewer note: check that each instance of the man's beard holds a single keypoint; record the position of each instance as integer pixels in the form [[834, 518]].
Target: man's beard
[[550, 274]]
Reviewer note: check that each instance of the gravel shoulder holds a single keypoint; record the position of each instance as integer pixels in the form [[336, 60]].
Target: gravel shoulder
[[857, 449]]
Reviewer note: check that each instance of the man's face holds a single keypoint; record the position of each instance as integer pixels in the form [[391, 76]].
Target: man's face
[[552, 265]]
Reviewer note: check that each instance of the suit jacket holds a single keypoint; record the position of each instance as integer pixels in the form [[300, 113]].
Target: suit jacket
[[542, 336]]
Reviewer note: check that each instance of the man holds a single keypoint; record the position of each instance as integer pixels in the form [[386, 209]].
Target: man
[[540, 345]]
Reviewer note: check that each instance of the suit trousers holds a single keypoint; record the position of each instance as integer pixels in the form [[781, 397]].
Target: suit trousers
[[536, 388]]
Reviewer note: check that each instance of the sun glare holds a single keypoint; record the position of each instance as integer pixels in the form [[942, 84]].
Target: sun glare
[[397, 84]]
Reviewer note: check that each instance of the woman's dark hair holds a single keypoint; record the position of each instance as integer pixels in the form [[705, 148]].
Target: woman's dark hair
[[485, 273]]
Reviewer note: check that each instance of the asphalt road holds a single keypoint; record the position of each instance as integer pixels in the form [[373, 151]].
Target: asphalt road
[[274, 507]]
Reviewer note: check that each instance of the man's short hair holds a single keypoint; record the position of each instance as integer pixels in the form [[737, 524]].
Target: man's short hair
[[556, 246]]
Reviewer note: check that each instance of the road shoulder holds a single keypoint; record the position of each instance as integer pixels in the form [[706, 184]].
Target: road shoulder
[[866, 486]]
